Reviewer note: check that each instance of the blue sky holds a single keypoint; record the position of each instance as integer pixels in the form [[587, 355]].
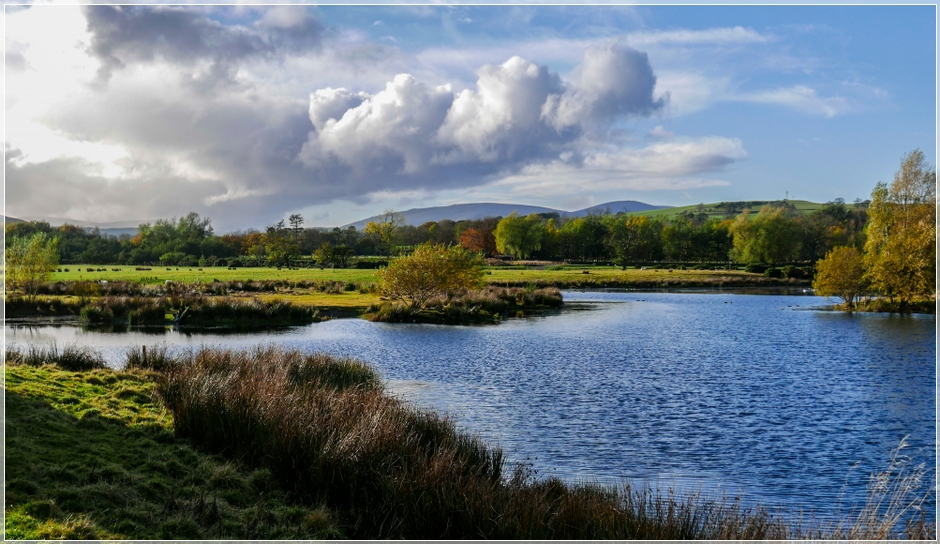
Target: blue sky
[[249, 114]]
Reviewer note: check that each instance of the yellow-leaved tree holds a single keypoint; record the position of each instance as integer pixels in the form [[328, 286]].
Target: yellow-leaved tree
[[432, 272], [30, 260], [900, 252], [841, 274]]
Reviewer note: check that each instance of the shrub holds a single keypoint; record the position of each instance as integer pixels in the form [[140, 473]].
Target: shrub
[[94, 315], [431, 271], [755, 268], [773, 273]]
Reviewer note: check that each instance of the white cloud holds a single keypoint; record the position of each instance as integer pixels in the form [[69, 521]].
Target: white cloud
[[717, 36], [800, 98], [678, 165], [389, 130]]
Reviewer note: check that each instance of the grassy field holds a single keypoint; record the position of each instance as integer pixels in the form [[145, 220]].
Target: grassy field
[[159, 274], [92, 455], [564, 274], [713, 209]]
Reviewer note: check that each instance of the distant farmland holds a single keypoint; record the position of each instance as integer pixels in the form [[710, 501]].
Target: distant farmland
[[728, 209]]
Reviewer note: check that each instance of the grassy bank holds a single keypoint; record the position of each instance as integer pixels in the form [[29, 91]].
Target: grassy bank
[[321, 450], [92, 455]]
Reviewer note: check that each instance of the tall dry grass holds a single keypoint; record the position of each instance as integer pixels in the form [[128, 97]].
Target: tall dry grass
[[894, 508]]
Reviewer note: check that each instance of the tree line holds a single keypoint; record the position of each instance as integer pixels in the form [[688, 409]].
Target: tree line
[[778, 233]]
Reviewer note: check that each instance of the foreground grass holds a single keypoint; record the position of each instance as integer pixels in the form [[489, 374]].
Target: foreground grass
[[92, 455]]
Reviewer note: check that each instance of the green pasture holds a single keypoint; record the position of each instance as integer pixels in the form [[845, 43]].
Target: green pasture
[[713, 209], [159, 274], [562, 274]]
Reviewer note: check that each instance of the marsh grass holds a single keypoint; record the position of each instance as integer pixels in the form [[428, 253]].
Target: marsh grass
[[142, 310], [488, 305], [71, 357], [155, 357]]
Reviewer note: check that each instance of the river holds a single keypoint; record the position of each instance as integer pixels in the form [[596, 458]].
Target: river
[[765, 397]]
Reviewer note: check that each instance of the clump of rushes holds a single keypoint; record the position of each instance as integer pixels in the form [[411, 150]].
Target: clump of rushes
[[71, 357], [156, 357]]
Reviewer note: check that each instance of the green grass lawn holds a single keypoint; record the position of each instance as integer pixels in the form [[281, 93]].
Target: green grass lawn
[[92, 455], [159, 274], [561, 273]]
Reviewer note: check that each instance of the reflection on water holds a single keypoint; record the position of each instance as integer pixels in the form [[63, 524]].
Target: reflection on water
[[727, 392]]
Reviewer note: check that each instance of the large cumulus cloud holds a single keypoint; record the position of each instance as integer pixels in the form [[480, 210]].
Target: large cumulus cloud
[[517, 113]]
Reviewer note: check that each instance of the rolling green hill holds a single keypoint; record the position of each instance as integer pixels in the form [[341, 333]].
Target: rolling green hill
[[727, 209]]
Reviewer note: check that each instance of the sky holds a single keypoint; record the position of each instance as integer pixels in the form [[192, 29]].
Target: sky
[[248, 114]]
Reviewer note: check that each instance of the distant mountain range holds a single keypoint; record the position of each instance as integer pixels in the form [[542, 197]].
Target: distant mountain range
[[460, 212]]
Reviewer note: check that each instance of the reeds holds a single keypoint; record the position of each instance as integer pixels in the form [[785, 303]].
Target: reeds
[[72, 357], [894, 508], [155, 357]]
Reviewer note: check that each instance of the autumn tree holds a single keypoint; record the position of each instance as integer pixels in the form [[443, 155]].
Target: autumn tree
[[30, 260], [478, 240], [841, 273], [900, 252], [432, 271], [385, 228], [519, 236], [280, 246]]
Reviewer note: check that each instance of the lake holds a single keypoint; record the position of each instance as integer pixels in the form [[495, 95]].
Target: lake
[[757, 396]]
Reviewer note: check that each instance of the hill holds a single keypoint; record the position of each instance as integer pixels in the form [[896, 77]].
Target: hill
[[727, 209], [460, 212]]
